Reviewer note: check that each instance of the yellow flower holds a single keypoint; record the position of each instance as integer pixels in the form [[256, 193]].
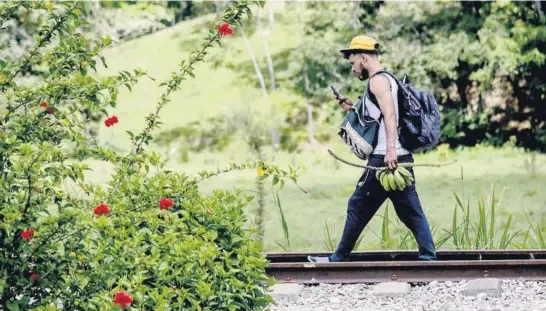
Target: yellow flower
[[260, 172], [36, 233]]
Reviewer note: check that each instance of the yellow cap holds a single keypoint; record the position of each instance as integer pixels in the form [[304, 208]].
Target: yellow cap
[[364, 43]]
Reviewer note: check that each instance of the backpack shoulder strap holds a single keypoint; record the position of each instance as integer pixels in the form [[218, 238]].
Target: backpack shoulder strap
[[387, 72], [369, 93]]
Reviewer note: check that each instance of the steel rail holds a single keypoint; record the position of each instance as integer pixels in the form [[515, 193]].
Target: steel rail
[[274, 257], [368, 267]]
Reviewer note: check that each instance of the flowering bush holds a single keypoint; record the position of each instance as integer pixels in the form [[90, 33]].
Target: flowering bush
[[149, 240]]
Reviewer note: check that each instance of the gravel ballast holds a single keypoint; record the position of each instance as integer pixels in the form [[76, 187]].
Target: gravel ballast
[[449, 296]]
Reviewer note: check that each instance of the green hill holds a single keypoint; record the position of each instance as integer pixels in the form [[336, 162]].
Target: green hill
[[227, 90]]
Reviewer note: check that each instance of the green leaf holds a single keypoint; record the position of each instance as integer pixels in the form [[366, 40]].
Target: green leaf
[[24, 301], [13, 305], [103, 61], [107, 40], [275, 179]]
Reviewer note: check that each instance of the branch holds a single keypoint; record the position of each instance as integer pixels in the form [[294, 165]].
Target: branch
[[259, 164], [79, 95], [40, 44], [27, 204], [172, 85], [48, 238], [12, 8], [230, 17], [386, 167]]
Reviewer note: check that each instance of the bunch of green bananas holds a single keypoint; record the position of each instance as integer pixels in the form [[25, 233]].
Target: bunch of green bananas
[[396, 179]]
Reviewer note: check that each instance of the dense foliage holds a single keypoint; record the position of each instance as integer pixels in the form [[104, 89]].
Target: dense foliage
[[146, 240], [485, 61]]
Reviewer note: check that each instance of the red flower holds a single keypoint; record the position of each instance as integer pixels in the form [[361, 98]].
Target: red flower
[[165, 203], [27, 233], [111, 121], [123, 299], [33, 276], [101, 209], [43, 104], [225, 30], [50, 110]]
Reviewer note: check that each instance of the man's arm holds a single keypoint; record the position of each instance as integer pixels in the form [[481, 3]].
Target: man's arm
[[380, 87]]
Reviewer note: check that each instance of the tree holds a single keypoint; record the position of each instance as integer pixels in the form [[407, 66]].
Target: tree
[[487, 55], [324, 28]]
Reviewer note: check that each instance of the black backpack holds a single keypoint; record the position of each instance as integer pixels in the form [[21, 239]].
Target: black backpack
[[418, 116]]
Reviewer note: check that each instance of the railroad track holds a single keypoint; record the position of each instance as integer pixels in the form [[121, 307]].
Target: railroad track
[[384, 266]]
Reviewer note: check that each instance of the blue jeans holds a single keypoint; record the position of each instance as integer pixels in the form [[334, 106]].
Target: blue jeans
[[369, 195]]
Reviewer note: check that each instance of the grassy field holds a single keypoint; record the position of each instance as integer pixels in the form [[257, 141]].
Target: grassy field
[[330, 184], [217, 91]]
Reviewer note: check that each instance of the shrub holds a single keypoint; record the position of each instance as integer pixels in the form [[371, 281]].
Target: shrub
[[147, 240], [171, 247]]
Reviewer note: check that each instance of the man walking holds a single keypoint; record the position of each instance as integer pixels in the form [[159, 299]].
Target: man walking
[[381, 98]]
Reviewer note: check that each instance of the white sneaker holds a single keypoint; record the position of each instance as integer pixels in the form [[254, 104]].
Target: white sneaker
[[318, 259]]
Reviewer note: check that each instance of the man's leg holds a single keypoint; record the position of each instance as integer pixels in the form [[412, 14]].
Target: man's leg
[[408, 208], [363, 204]]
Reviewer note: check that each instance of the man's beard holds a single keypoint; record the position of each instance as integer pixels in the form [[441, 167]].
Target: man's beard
[[364, 75]]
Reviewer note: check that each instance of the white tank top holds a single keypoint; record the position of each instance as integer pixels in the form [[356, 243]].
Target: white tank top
[[375, 112]]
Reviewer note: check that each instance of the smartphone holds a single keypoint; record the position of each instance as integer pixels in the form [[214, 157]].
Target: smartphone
[[336, 93]]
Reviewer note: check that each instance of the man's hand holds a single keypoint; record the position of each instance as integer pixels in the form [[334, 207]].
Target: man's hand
[[391, 159], [345, 103], [381, 88]]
